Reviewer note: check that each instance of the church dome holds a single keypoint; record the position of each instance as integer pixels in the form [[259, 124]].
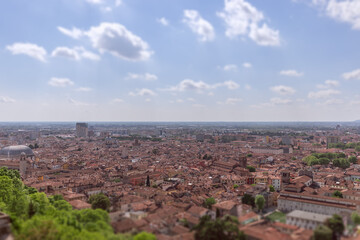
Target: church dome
[[15, 151]]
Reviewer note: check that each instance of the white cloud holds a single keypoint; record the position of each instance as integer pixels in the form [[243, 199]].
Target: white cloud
[[4, 99], [328, 84], [284, 90], [163, 21], [230, 67], [231, 85], [277, 101], [323, 93], [200, 86], [76, 53], [60, 82], [347, 11], [118, 3], [29, 49], [333, 101], [143, 92], [145, 76], [332, 83], [198, 25], [106, 9], [233, 101], [247, 65], [95, 1], [264, 35], [247, 87], [117, 40], [65, 52], [77, 103], [74, 32], [352, 75], [84, 89], [291, 73], [189, 84], [118, 100], [241, 18], [273, 102]]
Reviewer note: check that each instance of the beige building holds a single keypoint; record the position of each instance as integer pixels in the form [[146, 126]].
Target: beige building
[[305, 220], [290, 201]]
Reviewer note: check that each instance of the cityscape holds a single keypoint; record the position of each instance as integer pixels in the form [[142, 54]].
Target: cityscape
[[165, 179], [180, 120]]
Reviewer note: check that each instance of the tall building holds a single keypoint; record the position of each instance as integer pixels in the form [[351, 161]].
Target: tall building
[[82, 130]]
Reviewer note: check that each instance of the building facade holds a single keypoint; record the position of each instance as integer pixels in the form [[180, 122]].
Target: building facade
[[82, 130]]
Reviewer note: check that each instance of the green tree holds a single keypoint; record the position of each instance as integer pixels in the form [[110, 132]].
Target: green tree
[[39, 227], [324, 161], [144, 236], [209, 202], [337, 194], [148, 181], [225, 228], [12, 194], [55, 198], [30, 190], [355, 218], [251, 168], [341, 163], [336, 224], [310, 160], [248, 199], [99, 201], [259, 202], [271, 188], [322, 232], [34, 216], [62, 205], [352, 159], [10, 173], [41, 203], [235, 186]]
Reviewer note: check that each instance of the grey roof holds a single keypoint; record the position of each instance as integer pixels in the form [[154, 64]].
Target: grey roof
[[308, 216], [16, 151]]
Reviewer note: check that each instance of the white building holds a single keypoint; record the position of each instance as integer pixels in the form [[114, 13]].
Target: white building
[[276, 182], [305, 220], [289, 201]]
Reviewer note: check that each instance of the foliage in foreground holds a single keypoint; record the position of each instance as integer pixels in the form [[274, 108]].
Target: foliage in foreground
[[332, 229], [35, 216], [225, 228]]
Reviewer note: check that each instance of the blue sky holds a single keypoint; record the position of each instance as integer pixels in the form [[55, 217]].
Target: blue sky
[[180, 60]]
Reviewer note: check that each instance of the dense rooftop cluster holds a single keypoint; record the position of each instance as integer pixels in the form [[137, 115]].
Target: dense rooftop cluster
[[180, 182]]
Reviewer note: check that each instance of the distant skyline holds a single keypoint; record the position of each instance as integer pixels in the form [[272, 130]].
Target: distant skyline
[[180, 60]]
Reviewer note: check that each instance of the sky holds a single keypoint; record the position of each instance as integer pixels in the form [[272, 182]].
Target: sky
[[180, 60]]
